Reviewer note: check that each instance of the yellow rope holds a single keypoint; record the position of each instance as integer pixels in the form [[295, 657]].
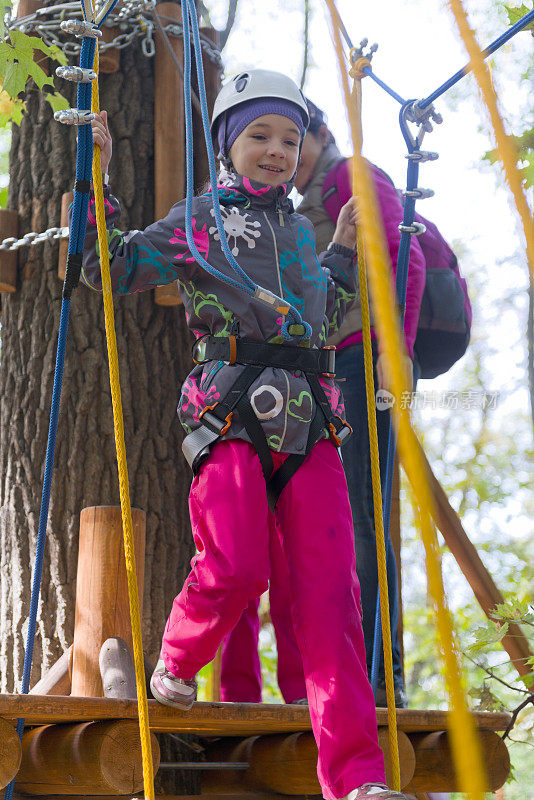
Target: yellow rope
[[356, 105], [148, 772], [465, 744], [505, 145]]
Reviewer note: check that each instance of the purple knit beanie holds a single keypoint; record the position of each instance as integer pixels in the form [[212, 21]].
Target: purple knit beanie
[[237, 118]]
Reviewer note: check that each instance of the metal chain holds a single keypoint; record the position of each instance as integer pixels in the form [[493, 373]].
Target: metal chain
[[133, 20], [29, 239]]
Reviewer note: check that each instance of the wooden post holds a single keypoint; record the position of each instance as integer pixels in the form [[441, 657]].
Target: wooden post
[[434, 765], [288, 764], [57, 680], [9, 227], [66, 200], [486, 592], [169, 135], [212, 79], [88, 758], [102, 607], [10, 752], [109, 60]]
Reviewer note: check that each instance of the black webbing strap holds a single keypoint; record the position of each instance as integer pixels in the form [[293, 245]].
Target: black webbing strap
[[257, 436], [238, 390], [218, 348], [283, 475]]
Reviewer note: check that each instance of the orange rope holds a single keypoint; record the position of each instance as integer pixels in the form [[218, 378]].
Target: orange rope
[[505, 145]]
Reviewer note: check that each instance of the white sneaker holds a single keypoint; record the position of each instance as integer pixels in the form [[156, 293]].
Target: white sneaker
[[374, 791], [170, 690]]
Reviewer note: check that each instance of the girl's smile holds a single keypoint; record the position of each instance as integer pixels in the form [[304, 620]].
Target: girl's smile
[[267, 150]]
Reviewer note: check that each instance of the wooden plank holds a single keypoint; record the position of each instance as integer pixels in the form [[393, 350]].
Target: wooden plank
[[486, 592], [57, 679], [214, 719]]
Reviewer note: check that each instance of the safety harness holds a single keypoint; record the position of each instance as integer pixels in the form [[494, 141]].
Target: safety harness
[[255, 356]]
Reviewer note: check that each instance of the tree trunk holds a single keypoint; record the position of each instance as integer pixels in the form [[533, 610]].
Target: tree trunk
[[153, 344]]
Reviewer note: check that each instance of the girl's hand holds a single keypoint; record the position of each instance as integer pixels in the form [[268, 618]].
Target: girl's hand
[[102, 138], [383, 373], [345, 232]]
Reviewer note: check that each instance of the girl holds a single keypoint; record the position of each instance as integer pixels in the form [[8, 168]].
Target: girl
[[263, 418], [323, 178]]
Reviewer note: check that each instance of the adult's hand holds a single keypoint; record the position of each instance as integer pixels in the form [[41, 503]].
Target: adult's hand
[[102, 138], [347, 220], [383, 372]]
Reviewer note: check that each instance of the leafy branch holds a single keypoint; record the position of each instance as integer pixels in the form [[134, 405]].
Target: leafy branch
[[18, 65]]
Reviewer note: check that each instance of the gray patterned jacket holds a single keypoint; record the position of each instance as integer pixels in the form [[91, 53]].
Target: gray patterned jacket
[[276, 248]]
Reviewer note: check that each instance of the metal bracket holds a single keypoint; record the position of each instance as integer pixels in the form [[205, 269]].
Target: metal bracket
[[76, 74], [74, 116]]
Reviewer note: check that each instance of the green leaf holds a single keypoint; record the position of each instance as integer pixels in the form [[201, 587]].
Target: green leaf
[[515, 14], [15, 78], [3, 196], [4, 6], [57, 101]]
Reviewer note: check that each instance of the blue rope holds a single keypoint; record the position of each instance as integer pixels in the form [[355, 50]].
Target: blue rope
[[392, 93], [491, 48], [245, 284], [84, 159], [401, 283]]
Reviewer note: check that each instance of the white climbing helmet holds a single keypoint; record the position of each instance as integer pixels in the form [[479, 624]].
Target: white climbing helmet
[[253, 84]]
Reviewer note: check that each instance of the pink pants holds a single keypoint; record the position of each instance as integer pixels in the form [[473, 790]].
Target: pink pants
[[232, 532], [241, 680]]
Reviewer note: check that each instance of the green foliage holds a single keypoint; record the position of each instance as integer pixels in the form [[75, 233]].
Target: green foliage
[[516, 12], [524, 144], [18, 65]]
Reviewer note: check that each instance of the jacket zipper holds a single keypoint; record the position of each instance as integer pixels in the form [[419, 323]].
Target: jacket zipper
[[275, 253]]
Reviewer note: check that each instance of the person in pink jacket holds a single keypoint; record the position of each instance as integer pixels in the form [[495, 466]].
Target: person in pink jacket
[[324, 180]]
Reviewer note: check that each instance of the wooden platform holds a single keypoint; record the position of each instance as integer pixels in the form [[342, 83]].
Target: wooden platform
[[213, 719]]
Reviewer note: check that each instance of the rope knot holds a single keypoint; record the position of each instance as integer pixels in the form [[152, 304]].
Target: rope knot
[[357, 69]]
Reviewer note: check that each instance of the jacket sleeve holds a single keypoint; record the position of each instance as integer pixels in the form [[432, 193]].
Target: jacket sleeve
[[140, 260], [339, 264], [392, 213]]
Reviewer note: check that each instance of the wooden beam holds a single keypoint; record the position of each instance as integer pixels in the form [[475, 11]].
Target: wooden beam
[[10, 752], [287, 764], [215, 719], [486, 592], [102, 607], [57, 680], [83, 758], [434, 765]]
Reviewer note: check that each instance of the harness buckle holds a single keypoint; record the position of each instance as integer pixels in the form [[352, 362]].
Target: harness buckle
[[331, 364], [198, 350], [341, 434], [221, 425]]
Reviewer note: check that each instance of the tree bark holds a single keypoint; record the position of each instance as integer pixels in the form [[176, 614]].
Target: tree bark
[[153, 344]]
